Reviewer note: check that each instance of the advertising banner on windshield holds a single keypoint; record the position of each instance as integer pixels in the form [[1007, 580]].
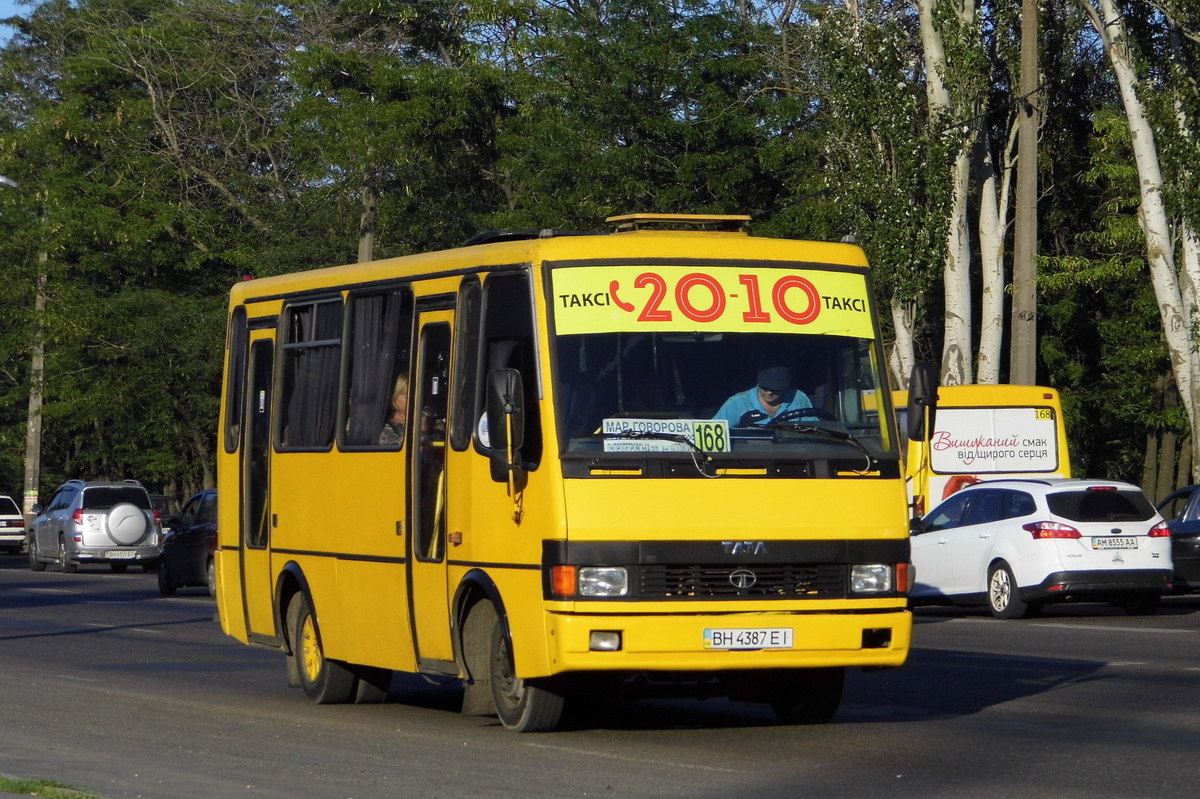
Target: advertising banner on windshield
[[719, 299], [994, 440]]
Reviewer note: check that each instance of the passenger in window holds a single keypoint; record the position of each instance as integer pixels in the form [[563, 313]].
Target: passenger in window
[[392, 433], [774, 393]]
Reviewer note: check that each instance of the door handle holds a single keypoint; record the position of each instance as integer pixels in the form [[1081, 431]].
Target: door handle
[[943, 541], [985, 535]]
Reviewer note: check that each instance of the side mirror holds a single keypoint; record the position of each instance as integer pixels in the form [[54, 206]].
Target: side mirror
[[506, 421], [36, 509], [922, 401], [916, 526]]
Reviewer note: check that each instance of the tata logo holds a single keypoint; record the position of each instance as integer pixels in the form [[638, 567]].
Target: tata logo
[[741, 579], [745, 547]]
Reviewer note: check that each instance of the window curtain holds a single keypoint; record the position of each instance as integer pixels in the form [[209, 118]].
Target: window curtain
[[375, 334]]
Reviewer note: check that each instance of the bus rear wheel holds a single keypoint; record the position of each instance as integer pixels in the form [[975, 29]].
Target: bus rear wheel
[[324, 681], [522, 705]]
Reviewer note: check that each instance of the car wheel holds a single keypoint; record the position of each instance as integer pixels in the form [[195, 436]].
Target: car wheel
[[1003, 600], [808, 696], [35, 559], [212, 577], [522, 705], [1144, 604], [165, 585], [324, 681], [64, 561]]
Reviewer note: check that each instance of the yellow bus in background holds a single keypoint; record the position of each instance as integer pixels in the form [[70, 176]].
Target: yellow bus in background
[[980, 432], [503, 463]]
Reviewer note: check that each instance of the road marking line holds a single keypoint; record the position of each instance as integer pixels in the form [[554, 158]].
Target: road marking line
[[593, 753], [50, 590], [1108, 629], [119, 627], [73, 677]]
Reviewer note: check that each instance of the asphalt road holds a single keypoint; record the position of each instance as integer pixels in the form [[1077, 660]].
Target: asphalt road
[[111, 688]]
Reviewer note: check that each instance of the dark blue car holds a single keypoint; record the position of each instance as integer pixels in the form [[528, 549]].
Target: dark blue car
[[188, 546], [1182, 511]]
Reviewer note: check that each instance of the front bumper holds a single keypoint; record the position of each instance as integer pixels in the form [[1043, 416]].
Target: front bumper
[[676, 642]]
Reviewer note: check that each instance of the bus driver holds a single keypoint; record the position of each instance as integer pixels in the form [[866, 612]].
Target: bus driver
[[774, 393]]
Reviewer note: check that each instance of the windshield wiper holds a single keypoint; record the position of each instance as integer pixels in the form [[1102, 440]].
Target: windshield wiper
[[837, 435], [699, 457]]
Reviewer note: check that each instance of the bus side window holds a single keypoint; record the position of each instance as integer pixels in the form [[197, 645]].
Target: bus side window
[[508, 343], [466, 363], [377, 353], [312, 348], [235, 380]]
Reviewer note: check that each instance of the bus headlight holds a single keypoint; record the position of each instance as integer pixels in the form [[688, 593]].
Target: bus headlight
[[603, 581], [871, 578]]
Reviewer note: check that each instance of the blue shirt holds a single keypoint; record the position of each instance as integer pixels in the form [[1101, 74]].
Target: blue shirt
[[748, 400]]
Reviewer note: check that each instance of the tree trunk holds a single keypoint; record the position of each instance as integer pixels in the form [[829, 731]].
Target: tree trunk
[[1023, 362], [37, 369], [902, 355], [366, 222], [993, 223], [956, 347], [1152, 215]]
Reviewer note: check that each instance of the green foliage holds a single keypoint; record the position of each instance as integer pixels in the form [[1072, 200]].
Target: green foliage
[[166, 148], [1101, 338]]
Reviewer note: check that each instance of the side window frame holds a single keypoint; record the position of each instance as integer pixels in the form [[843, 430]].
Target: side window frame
[[468, 320], [360, 426], [235, 379], [958, 522], [308, 376], [509, 339]]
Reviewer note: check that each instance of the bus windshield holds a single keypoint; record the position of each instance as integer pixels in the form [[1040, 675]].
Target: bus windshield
[[670, 392]]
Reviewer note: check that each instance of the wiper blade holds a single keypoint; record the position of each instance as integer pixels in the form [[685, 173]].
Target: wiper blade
[[633, 435], [837, 435], [699, 457]]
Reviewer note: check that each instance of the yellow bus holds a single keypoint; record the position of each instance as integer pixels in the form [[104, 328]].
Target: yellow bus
[[984, 431], [506, 463]]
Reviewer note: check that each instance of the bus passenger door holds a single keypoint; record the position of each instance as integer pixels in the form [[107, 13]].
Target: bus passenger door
[[256, 493], [427, 492]]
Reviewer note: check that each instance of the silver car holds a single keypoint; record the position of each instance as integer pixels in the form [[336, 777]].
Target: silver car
[[95, 522]]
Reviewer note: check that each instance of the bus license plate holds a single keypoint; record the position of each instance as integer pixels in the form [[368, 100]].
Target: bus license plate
[[748, 638], [120, 554], [1114, 543]]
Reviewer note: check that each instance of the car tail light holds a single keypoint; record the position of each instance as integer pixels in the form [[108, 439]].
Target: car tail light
[[1160, 530], [77, 516], [1101, 488], [157, 516], [1051, 530]]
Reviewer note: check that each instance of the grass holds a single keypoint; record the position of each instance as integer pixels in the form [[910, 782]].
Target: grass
[[46, 789]]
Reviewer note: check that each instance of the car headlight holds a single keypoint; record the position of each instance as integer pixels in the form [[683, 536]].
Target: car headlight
[[871, 578], [603, 581]]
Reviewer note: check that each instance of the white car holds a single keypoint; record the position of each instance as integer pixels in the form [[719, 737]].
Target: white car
[[12, 525], [1019, 544]]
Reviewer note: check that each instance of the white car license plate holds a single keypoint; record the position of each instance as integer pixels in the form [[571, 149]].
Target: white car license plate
[[1114, 543], [120, 554], [748, 638]]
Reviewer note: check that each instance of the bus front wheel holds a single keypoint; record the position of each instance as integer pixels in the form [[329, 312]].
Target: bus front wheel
[[522, 705], [324, 681], [808, 696]]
